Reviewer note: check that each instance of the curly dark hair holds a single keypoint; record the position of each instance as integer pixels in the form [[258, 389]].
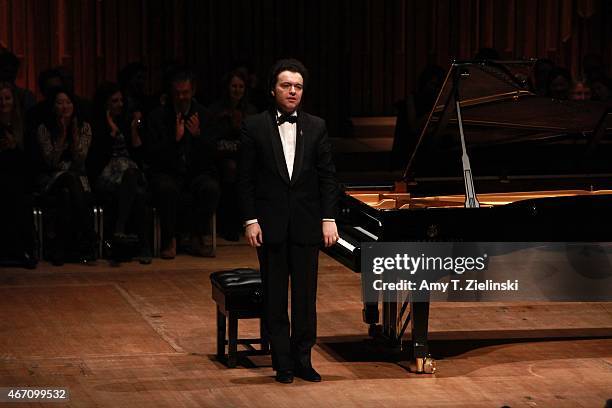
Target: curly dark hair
[[289, 64]]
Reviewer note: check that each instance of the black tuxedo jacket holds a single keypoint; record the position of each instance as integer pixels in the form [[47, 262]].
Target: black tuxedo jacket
[[287, 210]]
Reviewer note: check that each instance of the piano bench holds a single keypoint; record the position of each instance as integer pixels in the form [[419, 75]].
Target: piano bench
[[238, 294]]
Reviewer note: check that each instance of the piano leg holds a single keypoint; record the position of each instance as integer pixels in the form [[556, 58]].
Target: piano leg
[[420, 324], [394, 323], [370, 316], [370, 313], [420, 349]]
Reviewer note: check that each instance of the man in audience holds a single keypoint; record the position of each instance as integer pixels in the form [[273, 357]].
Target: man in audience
[[181, 159]]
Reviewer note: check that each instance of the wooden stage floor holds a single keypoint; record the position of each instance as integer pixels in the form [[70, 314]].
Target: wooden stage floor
[[144, 336]]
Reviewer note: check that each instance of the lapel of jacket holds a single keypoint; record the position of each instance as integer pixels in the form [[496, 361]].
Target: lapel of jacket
[[277, 147], [300, 130]]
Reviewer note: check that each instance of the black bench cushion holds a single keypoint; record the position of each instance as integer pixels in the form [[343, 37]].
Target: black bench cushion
[[237, 279], [237, 290]]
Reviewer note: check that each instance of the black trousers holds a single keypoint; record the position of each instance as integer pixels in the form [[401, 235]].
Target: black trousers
[[129, 203], [291, 343]]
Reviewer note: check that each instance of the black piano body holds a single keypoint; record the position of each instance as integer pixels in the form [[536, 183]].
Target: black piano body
[[541, 168]]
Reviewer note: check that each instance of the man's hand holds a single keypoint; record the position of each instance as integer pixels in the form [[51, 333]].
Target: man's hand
[[253, 235], [193, 124], [180, 127], [330, 233]]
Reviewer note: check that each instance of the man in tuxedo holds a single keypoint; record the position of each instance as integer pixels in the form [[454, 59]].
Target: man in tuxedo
[[289, 195]]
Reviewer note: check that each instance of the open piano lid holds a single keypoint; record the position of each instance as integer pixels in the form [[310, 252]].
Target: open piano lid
[[510, 132], [528, 153]]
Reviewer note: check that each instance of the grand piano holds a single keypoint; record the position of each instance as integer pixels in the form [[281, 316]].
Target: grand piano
[[494, 162]]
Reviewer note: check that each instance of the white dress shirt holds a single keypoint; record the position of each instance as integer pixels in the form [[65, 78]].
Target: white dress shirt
[[288, 134]]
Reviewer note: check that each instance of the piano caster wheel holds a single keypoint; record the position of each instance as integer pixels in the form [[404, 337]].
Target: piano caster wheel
[[425, 365]]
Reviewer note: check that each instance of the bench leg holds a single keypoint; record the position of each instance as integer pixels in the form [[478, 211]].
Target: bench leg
[[232, 349], [265, 344], [220, 334]]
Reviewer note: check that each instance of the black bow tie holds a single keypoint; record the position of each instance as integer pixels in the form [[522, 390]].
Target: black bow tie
[[286, 118]]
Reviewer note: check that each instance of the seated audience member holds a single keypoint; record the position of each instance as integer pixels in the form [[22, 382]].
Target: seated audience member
[[581, 91], [64, 139], [181, 159], [132, 80], [559, 83], [83, 104], [113, 164], [9, 68], [258, 96], [226, 116], [48, 81], [15, 208]]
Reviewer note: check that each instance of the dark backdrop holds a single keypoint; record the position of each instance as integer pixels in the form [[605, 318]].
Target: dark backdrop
[[363, 54]]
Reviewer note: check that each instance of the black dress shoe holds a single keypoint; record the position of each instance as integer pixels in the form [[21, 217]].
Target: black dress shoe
[[284, 376], [308, 374]]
